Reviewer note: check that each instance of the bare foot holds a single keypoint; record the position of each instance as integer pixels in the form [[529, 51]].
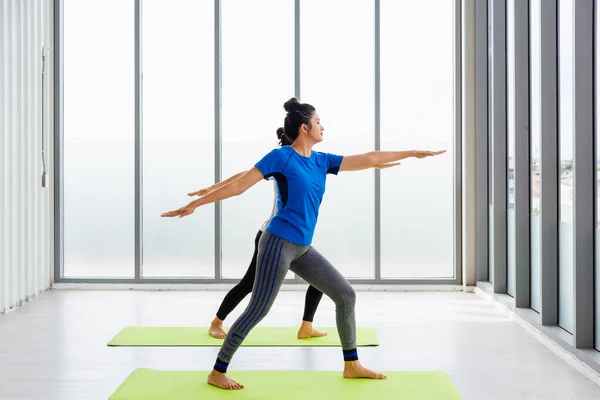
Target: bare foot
[[221, 380], [216, 329], [306, 331], [353, 369]]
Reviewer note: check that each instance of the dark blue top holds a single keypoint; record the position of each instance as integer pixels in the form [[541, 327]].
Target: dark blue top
[[301, 184]]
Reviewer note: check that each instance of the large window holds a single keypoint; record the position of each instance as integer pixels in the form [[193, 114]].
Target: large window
[[178, 136], [151, 115], [535, 145], [565, 178], [337, 75], [511, 258], [258, 77], [558, 29], [98, 138], [417, 201]]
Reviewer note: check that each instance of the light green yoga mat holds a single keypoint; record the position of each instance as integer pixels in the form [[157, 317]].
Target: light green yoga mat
[[147, 384], [259, 336]]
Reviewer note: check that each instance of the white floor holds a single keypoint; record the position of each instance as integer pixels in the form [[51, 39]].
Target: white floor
[[55, 347]]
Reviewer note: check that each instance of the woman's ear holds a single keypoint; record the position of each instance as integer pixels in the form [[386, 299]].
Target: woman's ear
[[304, 128]]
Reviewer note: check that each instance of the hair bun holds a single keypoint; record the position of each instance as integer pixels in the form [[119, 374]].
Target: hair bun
[[291, 105], [280, 133]]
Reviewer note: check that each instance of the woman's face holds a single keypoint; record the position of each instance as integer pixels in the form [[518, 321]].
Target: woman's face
[[316, 131]]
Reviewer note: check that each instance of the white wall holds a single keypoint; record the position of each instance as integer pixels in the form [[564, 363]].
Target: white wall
[[25, 206]]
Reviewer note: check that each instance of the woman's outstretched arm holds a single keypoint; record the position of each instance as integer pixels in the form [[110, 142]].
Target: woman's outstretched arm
[[366, 160], [234, 188], [216, 186]]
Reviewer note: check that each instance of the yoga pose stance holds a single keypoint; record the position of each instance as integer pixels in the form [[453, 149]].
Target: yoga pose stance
[[244, 287], [300, 173]]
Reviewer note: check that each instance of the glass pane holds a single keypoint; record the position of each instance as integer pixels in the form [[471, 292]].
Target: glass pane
[[258, 77], [536, 170], [337, 73], [178, 136], [417, 103], [98, 138], [510, 93], [565, 228]]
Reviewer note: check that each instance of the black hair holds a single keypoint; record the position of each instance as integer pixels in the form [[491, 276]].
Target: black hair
[[297, 114], [283, 139]]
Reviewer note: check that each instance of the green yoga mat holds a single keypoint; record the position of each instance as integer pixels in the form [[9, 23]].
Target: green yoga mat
[[259, 336], [147, 384]]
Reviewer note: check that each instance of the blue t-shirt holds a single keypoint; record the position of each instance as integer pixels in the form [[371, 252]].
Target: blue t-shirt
[[301, 183]]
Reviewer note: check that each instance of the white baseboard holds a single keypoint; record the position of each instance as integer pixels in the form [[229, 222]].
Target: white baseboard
[[227, 286]]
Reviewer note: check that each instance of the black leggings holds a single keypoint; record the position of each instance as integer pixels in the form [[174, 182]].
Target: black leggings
[[244, 287]]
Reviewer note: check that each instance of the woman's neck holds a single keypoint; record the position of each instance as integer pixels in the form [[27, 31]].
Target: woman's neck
[[302, 147]]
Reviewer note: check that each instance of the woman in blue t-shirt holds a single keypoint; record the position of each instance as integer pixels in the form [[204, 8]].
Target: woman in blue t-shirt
[[300, 174]]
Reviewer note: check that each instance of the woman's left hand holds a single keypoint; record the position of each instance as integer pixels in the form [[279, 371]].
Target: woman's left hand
[[426, 153]]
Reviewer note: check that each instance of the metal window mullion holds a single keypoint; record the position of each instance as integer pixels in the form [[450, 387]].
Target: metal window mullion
[[597, 179], [467, 140], [218, 136], [46, 199], [457, 139], [58, 177], [138, 170], [377, 56], [549, 162], [481, 140], [522, 154], [584, 174], [499, 147], [297, 81]]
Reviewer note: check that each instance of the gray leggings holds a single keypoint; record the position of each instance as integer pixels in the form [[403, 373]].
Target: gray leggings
[[275, 256]]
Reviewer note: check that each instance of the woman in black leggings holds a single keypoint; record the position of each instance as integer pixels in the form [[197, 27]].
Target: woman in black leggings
[[244, 287]]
